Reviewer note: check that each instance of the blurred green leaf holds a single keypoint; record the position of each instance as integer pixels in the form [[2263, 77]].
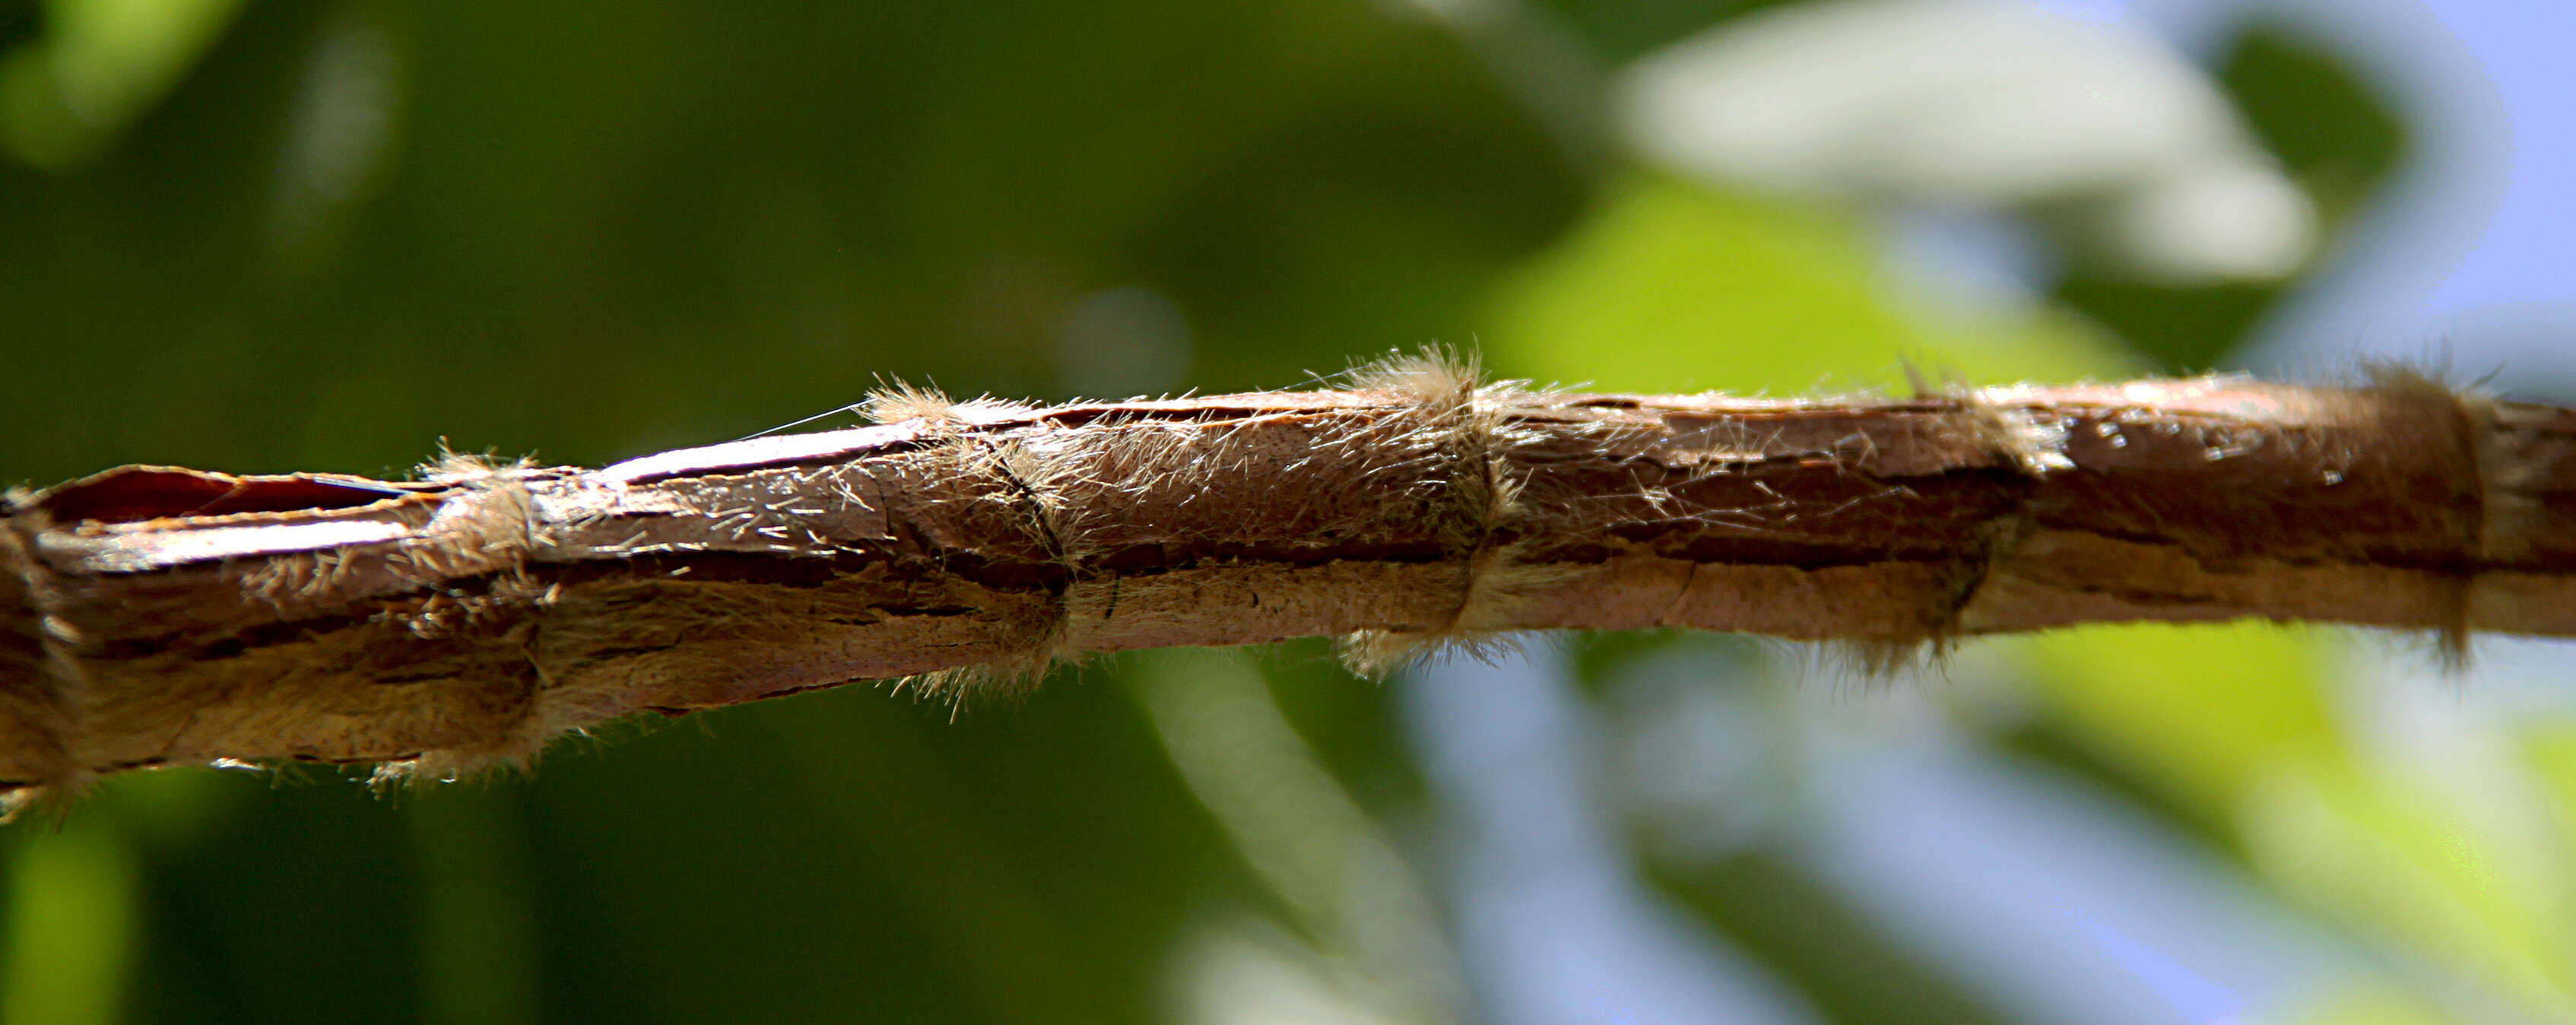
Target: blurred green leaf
[[2369, 1005], [98, 65], [73, 922], [2378, 856], [1670, 286], [2334, 130], [2205, 712], [1835, 956]]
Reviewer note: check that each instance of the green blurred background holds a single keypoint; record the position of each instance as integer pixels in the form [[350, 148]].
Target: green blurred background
[[271, 236]]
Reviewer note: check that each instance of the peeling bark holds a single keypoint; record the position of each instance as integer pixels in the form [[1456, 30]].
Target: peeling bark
[[152, 615]]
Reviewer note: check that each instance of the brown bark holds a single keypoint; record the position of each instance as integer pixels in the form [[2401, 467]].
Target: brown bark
[[155, 616]]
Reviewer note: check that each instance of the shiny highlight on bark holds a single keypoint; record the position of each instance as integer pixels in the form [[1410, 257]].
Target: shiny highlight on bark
[[158, 616]]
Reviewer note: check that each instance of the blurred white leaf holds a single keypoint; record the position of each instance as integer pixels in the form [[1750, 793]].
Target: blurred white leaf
[[1979, 103]]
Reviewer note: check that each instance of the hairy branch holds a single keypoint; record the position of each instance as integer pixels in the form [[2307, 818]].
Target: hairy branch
[[153, 616]]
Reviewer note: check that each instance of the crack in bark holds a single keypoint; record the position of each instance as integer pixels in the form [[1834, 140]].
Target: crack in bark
[[462, 622]]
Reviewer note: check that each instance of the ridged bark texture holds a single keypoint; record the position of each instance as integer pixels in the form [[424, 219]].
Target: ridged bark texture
[[153, 616]]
